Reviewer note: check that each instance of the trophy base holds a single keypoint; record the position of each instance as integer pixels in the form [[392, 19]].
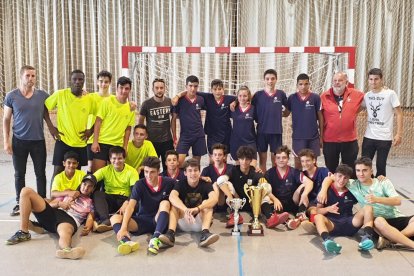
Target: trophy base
[[255, 232], [235, 233]]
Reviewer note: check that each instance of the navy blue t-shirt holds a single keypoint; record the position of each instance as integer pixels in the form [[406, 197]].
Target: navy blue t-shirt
[[212, 172], [193, 197], [283, 186], [190, 117], [149, 198], [179, 176], [217, 124], [345, 201], [268, 113], [317, 178], [304, 115], [243, 132]]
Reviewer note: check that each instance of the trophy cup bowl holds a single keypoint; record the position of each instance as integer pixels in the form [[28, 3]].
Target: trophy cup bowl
[[255, 195], [236, 204]]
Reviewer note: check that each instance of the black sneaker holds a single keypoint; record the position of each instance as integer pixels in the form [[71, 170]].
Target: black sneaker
[[208, 238], [18, 237], [15, 211], [168, 238]]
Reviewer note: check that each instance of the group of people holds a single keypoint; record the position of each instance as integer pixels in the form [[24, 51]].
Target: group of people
[[125, 190]]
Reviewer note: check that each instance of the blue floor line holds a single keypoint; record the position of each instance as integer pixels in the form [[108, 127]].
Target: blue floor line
[[240, 254]]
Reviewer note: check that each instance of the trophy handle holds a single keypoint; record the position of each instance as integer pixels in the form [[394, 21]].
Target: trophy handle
[[243, 202], [246, 191]]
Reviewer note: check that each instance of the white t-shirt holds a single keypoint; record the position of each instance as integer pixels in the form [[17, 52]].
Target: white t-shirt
[[380, 108]]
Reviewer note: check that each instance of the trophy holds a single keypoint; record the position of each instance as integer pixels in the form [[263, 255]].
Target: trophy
[[236, 204], [255, 195]]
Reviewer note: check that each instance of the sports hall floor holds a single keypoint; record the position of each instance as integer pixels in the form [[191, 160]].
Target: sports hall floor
[[279, 252]]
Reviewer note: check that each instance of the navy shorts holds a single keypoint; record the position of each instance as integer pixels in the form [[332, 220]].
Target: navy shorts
[[146, 224], [300, 144], [213, 140], [343, 227], [197, 145], [61, 148], [89, 152], [289, 206], [50, 218], [265, 140], [103, 154], [234, 148]]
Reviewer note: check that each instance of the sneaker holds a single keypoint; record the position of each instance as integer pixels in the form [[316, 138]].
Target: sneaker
[[332, 247], [230, 221], [208, 238], [36, 227], [154, 245], [124, 248], [309, 227], [366, 245], [302, 216], [168, 238], [277, 219], [15, 211], [102, 227], [70, 253], [292, 224], [18, 237], [383, 243]]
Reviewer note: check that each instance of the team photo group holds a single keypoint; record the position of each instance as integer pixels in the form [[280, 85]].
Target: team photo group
[[153, 184]]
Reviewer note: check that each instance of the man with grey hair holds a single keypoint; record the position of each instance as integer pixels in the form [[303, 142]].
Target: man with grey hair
[[340, 107]]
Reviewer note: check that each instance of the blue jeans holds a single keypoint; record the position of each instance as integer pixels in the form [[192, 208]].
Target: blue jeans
[[21, 150], [382, 148]]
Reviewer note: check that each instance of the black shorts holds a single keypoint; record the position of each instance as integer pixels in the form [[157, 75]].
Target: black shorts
[[61, 148], [146, 224], [103, 154], [89, 152], [399, 223], [50, 218]]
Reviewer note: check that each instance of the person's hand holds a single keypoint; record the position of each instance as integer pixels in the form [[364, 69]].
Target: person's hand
[[333, 209], [322, 197], [86, 134], [277, 205], [121, 210], [132, 106], [7, 148], [84, 92], [174, 100], [86, 231], [397, 140], [304, 200], [55, 133], [95, 147], [206, 179], [258, 169], [232, 106], [65, 205], [381, 178], [371, 199], [189, 215], [74, 194], [122, 233]]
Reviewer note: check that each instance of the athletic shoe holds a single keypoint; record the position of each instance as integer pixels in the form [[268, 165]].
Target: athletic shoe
[[36, 227], [277, 219], [383, 243], [18, 237], [230, 221], [154, 245], [15, 211], [292, 224], [332, 247], [102, 227], [366, 244], [168, 238], [124, 248], [302, 216], [70, 253], [309, 227], [208, 238]]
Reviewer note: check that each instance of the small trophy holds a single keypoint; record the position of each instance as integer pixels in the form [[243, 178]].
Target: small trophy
[[255, 195], [236, 204]]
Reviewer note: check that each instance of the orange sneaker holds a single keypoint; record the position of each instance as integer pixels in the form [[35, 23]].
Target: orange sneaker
[[230, 222]]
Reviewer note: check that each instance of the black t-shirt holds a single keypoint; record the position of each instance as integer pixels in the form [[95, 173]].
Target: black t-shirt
[[193, 197], [158, 119], [238, 179]]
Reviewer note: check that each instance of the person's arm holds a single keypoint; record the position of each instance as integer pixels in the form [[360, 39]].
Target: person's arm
[[210, 202], [7, 115], [176, 201], [88, 225], [96, 129], [320, 122], [73, 194], [324, 188], [174, 127], [126, 138], [390, 201], [333, 209], [398, 136], [141, 119], [52, 129], [277, 205], [304, 199], [129, 211]]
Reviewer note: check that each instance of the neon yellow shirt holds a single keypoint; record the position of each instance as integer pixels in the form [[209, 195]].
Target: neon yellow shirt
[[117, 183], [116, 117], [92, 117], [135, 155], [62, 183], [72, 115]]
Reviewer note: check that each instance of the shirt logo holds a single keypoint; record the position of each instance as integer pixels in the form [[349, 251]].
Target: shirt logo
[[275, 100], [197, 107]]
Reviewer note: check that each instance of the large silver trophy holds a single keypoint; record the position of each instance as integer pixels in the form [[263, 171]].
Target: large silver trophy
[[236, 204]]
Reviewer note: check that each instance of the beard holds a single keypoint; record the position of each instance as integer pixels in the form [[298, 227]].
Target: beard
[[339, 90]]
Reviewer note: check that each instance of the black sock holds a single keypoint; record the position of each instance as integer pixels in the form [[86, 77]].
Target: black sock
[[204, 231], [171, 231], [267, 210], [368, 231], [302, 208], [325, 235]]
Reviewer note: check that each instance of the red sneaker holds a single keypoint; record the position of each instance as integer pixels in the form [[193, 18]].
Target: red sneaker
[[277, 219], [292, 224], [230, 222]]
